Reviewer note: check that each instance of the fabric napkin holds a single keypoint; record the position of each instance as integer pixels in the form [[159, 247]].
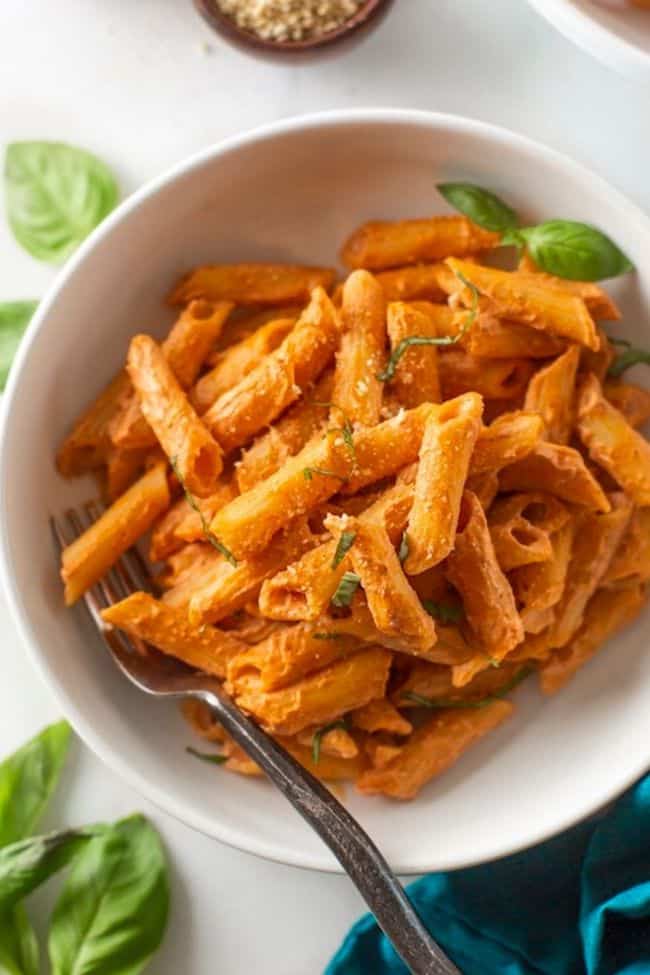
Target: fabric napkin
[[578, 904]]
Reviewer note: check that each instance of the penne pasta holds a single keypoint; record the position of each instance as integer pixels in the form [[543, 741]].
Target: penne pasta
[[387, 244], [631, 562], [91, 555], [523, 298], [361, 355], [551, 392], [521, 526], [612, 442], [414, 282], [416, 381], [252, 284], [607, 612], [539, 586], [600, 304], [85, 447], [508, 439], [473, 570], [630, 400], [556, 470], [444, 460], [503, 379], [496, 338], [279, 379], [168, 630], [194, 454], [432, 749]]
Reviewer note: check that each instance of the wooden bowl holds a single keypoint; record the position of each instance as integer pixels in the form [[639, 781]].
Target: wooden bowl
[[354, 29]]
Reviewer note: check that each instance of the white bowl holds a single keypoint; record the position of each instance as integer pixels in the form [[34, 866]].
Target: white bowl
[[292, 191], [612, 31]]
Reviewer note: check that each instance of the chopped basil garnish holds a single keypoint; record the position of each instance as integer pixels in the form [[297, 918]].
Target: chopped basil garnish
[[347, 587]]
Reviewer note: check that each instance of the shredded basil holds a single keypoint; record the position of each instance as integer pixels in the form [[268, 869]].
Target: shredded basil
[[317, 740], [444, 612], [210, 537], [212, 757], [346, 589], [442, 703], [344, 545]]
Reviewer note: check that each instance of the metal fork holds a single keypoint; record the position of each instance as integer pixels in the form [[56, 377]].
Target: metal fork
[[163, 676]]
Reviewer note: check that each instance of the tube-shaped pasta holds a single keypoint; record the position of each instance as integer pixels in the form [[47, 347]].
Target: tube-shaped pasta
[[380, 716], [186, 571], [193, 452], [122, 469], [612, 442], [523, 298], [279, 379], [85, 446], [431, 681], [236, 361], [394, 605], [631, 562], [473, 570], [539, 586], [495, 338], [432, 749], [550, 393], [416, 379], [597, 538], [91, 555], [508, 439], [630, 400], [252, 284], [361, 354], [286, 437], [556, 470], [231, 587], [337, 742], [182, 523], [598, 360], [521, 526], [445, 452], [186, 349], [609, 611], [319, 698], [304, 589], [385, 244], [414, 282], [461, 372], [387, 448], [167, 628], [600, 304]]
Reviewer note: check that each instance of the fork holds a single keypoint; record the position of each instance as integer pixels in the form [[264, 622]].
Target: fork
[[165, 677]]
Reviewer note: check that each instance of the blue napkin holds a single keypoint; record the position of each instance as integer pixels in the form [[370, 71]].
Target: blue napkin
[[576, 905]]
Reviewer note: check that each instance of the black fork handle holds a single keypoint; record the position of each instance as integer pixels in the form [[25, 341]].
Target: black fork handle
[[352, 847]]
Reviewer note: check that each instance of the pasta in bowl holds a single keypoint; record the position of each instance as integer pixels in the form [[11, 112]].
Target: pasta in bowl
[[555, 757], [375, 510]]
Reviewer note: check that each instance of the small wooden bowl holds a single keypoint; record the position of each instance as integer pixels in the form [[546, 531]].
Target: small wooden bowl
[[354, 29]]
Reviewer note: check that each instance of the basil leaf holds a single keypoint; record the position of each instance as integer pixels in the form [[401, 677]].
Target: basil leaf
[[443, 703], [27, 780], [194, 505], [346, 589], [14, 319], [18, 944], [214, 758], [112, 912], [56, 194], [443, 612], [625, 360], [481, 206], [345, 543], [320, 733], [28, 863], [574, 251]]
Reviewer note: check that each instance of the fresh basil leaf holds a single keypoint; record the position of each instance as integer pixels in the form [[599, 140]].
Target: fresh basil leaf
[[56, 195], [319, 734], [345, 543], [625, 360], [443, 612], [14, 319], [112, 912], [214, 758], [481, 206], [346, 589], [18, 944], [574, 251], [27, 864], [27, 780]]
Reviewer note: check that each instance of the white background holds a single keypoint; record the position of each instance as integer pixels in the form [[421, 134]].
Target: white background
[[144, 83]]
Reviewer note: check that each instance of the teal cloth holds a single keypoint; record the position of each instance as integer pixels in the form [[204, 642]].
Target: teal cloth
[[578, 904]]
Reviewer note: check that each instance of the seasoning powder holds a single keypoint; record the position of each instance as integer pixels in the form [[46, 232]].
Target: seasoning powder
[[290, 20]]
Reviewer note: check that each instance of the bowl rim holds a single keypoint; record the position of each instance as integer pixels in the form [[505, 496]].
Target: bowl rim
[[605, 45], [172, 804]]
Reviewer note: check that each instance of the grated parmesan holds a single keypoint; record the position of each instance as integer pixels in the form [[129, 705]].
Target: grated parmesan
[[289, 20]]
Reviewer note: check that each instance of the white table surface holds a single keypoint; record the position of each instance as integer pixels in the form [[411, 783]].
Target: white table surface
[[144, 83]]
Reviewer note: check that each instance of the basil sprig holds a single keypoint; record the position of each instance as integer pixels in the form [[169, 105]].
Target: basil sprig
[[56, 195], [566, 248], [444, 612], [112, 911], [632, 356]]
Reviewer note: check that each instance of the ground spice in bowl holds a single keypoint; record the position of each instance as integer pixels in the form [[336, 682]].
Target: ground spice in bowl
[[290, 20]]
